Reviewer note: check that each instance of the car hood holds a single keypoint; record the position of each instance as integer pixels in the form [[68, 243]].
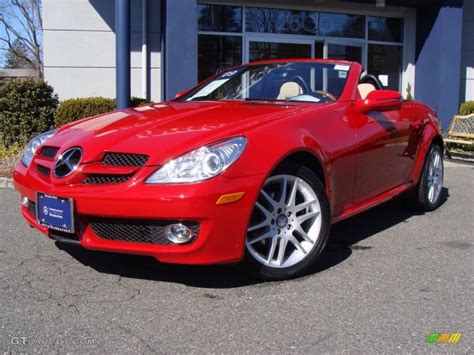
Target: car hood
[[165, 130]]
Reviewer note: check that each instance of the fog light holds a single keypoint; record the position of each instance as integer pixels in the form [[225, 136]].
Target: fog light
[[25, 201], [178, 233]]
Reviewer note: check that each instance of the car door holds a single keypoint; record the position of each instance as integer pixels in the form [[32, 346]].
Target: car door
[[384, 159]]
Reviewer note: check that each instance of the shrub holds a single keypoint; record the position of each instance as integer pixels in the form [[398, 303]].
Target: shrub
[[11, 151], [467, 108], [27, 108], [75, 109], [137, 101], [409, 93]]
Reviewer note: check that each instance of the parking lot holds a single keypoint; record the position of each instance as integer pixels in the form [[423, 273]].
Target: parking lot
[[388, 278]]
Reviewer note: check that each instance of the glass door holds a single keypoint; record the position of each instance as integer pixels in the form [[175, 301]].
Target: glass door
[[263, 48], [345, 50]]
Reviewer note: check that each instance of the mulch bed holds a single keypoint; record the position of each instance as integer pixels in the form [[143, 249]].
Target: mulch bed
[[7, 165]]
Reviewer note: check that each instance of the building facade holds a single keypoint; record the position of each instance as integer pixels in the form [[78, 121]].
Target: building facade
[[423, 46]]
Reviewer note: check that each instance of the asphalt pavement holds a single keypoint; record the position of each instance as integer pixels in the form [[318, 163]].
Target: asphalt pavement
[[388, 278]]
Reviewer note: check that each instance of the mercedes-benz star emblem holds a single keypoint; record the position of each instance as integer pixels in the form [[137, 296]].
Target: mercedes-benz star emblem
[[67, 162]]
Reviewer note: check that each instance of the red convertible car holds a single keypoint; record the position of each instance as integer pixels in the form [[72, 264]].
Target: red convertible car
[[253, 165]]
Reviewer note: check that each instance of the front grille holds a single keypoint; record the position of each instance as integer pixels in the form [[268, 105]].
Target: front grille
[[105, 179], [49, 152], [43, 170], [124, 159], [135, 231], [32, 208]]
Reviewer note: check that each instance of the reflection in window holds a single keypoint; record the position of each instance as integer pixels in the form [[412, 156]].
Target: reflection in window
[[341, 25], [345, 52], [385, 29], [271, 50], [386, 63], [216, 53], [281, 21], [300, 82], [219, 18]]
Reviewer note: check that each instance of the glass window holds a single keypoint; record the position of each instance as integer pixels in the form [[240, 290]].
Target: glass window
[[385, 62], [345, 52], [319, 49], [273, 50], [281, 21], [216, 53], [341, 25], [297, 81], [219, 18], [385, 29]]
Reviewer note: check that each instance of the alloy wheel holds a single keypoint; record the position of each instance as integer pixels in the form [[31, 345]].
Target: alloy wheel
[[435, 176], [286, 222]]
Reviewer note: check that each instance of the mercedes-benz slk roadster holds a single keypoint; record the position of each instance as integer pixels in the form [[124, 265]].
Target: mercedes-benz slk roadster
[[252, 165]]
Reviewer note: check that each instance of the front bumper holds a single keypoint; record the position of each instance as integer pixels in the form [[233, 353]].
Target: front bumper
[[222, 228]]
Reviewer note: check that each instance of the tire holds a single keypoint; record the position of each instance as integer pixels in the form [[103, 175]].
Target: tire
[[289, 226], [428, 194]]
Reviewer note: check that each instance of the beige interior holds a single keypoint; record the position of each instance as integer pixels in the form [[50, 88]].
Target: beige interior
[[365, 89], [289, 90]]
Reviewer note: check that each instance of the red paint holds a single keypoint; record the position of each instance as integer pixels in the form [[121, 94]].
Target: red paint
[[366, 158]]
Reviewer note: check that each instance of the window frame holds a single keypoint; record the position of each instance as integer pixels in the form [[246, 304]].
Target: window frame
[[407, 15]]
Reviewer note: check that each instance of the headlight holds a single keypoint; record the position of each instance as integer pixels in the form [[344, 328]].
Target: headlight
[[33, 145], [200, 164]]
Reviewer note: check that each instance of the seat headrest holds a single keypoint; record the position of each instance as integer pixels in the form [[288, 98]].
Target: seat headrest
[[365, 89], [289, 90]]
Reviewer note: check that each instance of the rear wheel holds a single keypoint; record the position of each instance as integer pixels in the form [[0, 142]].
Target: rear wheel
[[289, 226], [431, 182]]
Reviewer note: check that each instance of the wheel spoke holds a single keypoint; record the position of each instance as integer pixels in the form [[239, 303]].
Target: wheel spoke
[[303, 234], [292, 199], [281, 250], [307, 216], [297, 244], [303, 205], [266, 212], [259, 239], [268, 198], [272, 250], [259, 225], [284, 187], [431, 193]]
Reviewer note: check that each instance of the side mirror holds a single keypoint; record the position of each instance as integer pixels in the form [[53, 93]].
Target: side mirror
[[180, 93], [380, 100]]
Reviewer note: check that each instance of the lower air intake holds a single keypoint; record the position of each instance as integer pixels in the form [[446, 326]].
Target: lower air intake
[[135, 231]]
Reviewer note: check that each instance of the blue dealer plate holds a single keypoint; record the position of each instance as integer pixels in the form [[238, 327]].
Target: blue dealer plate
[[55, 212]]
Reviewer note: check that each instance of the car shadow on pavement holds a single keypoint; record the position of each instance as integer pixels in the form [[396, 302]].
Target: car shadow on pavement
[[343, 240]]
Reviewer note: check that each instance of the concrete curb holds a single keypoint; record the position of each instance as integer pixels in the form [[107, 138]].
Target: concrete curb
[[6, 183]]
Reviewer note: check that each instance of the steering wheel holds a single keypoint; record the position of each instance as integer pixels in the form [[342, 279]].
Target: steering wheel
[[325, 94]]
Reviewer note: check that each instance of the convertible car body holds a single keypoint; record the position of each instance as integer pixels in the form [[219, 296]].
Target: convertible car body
[[252, 165]]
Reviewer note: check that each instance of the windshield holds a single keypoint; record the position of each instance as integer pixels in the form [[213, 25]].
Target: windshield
[[297, 81]]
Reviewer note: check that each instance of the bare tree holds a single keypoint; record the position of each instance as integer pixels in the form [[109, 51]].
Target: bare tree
[[23, 25]]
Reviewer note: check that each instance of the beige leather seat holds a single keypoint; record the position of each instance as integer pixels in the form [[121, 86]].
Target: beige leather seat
[[289, 90], [365, 89]]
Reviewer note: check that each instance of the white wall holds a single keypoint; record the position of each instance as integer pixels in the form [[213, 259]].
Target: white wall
[[79, 47], [467, 78]]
